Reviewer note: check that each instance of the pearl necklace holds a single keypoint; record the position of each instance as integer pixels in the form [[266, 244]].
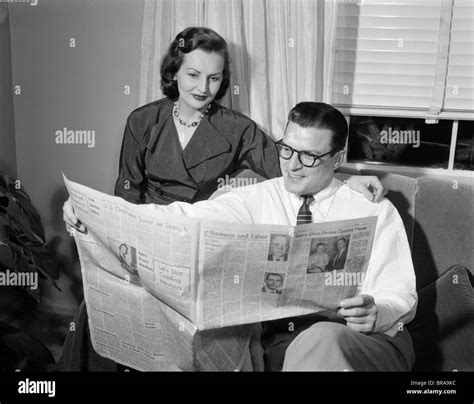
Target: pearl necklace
[[190, 124]]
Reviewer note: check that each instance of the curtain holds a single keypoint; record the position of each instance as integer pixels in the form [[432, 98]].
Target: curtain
[[276, 47]]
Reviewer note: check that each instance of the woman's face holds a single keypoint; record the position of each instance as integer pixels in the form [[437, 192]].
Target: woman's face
[[199, 78]]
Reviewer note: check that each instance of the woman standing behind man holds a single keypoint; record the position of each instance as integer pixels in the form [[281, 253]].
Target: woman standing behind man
[[177, 148]]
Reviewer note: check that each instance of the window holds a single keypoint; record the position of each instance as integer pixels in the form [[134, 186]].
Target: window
[[464, 155], [399, 141], [405, 69]]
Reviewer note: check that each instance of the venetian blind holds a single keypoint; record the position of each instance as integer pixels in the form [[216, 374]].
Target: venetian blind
[[397, 55], [459, 94]]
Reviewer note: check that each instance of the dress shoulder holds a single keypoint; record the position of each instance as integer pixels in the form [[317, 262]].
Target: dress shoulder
[[223, 115], [140, 120], [149, 111]]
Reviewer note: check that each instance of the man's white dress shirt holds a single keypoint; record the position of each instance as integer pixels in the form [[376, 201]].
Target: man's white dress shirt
[[390, 276]]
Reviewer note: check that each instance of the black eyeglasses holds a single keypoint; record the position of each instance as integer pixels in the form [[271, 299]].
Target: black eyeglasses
[[306, 158]]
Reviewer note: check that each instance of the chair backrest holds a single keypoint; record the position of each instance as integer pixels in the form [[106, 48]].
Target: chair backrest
[[402, 191], [444, 231]]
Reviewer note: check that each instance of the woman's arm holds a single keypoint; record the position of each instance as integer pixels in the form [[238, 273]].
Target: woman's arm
[[131, 181], [258, 153]]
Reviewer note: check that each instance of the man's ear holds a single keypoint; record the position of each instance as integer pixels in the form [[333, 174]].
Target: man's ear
[[339, 159]]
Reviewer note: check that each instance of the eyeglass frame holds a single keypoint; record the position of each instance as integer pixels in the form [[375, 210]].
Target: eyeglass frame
[[299, 152]]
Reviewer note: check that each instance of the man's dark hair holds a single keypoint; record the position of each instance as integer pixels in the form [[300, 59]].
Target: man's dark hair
[[190, 39], [322, 116]]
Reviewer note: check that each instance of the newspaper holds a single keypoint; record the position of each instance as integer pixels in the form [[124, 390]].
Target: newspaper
[[168, 292], [241, 281]]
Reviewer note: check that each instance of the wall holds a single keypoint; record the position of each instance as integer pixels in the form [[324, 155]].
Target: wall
[[7, 127], [77, 87]]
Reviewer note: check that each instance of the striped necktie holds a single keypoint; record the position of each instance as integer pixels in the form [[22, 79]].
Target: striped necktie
[[304, 214]]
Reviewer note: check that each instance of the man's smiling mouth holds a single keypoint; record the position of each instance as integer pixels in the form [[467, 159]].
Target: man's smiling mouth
[[294, 176]]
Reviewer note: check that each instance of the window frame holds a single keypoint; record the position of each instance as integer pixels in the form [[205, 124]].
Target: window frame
[[375, 165]]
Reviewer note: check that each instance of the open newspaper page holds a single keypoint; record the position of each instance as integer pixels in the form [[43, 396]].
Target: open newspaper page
[[139, 286], [133, 328], [251, 273], [129, 325], [168, 292], [133, 243]]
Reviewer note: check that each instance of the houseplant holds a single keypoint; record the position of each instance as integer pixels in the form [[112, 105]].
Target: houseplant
[[24, 257]]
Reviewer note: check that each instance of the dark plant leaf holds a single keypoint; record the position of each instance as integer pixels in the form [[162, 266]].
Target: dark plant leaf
[[19, 201], [23, 344], [44, 274], [46, 261], [4, 180], [7, 255], [24, 225], [34, 293], [3, 233], [23, 232], [30, 213]]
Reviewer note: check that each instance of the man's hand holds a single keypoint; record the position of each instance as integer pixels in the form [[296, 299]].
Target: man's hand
[[360, 313], [70, 218], [368, 185]]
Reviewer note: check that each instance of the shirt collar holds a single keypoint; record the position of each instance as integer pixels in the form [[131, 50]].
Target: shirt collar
[[322, 199]]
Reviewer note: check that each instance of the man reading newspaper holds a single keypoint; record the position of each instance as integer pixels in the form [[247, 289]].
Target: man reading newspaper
[[368, 334]]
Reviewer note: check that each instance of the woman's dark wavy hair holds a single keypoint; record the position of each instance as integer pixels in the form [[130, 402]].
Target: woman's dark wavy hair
[[186, 41]]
